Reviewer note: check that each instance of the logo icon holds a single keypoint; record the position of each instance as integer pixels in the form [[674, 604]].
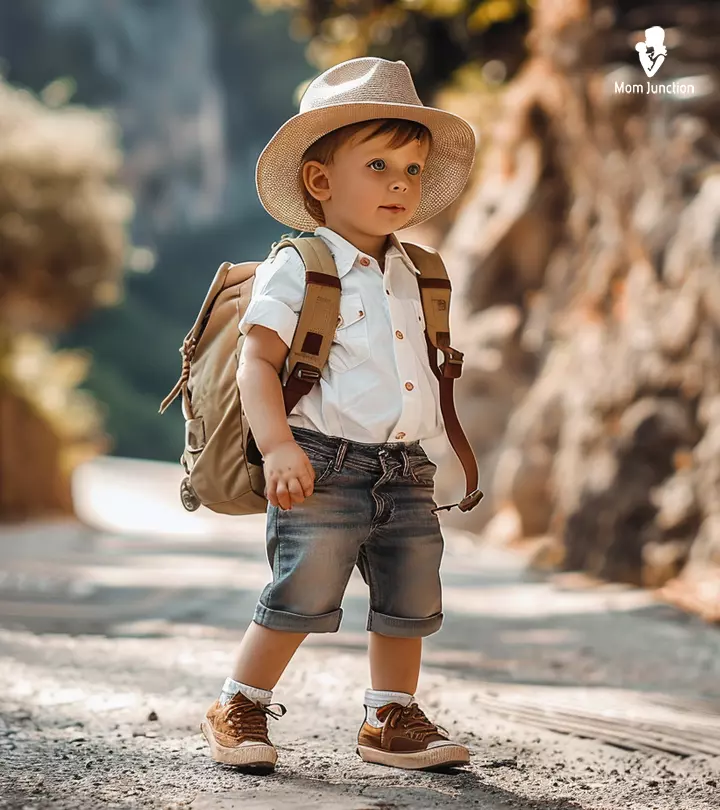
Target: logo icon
[[652, 52]]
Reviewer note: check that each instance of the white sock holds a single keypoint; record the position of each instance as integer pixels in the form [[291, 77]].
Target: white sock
[[375, 698], [231, 687]]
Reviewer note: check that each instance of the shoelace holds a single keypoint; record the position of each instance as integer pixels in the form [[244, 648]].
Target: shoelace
[[414, 719], [252, 717]]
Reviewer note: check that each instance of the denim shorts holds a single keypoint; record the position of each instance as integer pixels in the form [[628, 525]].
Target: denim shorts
[[371, 507]]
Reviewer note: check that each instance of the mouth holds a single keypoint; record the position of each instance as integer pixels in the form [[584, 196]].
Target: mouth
[[393, 207]]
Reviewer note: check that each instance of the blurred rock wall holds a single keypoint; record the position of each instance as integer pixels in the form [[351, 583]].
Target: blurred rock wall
[[587, 278]]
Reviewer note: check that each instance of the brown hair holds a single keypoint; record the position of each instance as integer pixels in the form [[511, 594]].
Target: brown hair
[[323, 150]]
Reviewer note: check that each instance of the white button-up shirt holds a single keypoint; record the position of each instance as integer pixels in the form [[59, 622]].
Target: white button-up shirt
[[377, 385]]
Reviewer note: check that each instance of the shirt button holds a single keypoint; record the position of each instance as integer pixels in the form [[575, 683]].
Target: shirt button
[[400, 435], [364, 261], [399, 335], [409, 386]]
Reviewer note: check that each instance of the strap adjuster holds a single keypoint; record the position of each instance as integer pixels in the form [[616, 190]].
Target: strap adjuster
[[303, 371], [452, 365]]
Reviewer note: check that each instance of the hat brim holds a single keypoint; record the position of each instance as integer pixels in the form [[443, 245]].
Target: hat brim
[[448, 168]]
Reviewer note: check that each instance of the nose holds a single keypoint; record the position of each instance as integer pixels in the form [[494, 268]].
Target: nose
[[399, 185]]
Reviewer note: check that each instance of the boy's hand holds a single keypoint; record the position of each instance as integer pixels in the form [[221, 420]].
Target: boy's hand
[[289, 475]]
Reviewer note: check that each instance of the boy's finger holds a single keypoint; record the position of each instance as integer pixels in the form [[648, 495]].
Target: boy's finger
[[270, 493], [295, 489], [282, 495], [307, 483]]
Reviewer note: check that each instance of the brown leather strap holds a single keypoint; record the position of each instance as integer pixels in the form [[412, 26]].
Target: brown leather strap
[[436, 305], [456, 436]]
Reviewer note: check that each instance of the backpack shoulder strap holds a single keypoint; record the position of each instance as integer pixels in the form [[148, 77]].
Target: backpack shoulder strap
[[318, 317], [435, 289]]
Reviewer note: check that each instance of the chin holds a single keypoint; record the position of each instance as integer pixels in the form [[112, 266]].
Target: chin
[[396, 221]]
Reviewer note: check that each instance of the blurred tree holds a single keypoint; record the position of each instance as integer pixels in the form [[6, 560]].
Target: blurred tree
[[435, 38], [62, 246], [61, 220]]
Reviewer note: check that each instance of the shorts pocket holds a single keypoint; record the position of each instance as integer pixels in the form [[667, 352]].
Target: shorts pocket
[[423, 470], [322, 464], [323, 472], [351, 345]]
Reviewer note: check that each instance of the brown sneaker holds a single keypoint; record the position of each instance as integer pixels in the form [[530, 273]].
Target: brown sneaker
[[238, 735], [407, 739]]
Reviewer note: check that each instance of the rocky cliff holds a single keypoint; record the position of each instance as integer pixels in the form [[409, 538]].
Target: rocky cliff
[[587, 266]]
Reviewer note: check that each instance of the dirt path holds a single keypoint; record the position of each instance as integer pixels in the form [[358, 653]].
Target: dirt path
[[113, 645]]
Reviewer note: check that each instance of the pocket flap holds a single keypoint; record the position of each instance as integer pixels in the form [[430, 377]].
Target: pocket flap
[[194, 434], [351, 310]]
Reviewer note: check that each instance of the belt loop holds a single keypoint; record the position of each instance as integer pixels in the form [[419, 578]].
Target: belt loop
[[340, 455], [406, 462], [382, 456]]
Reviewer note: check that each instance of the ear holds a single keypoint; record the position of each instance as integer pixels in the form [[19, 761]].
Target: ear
[[316, 180]]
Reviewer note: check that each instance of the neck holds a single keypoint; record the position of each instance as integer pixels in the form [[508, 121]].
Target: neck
[[370, 244]]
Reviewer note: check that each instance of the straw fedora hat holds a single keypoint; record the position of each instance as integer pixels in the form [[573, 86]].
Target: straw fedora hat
[[361, 90]]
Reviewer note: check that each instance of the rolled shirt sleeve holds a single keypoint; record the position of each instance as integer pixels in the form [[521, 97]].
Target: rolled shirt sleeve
[[277, 295]]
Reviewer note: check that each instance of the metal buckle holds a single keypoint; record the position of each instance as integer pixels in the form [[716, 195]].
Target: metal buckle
[[465, 505], [452, 365], [471, 501], [188, 496], [305, 372]]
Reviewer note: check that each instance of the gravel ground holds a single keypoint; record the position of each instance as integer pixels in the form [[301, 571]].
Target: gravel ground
[[112, 646], [78, 734]]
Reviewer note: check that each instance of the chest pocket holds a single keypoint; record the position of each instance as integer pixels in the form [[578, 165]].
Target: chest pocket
[[351, 345]]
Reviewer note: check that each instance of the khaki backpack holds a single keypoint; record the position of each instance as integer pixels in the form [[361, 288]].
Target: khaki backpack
[[223, 465]]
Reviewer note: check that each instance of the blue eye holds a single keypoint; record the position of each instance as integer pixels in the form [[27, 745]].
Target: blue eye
[[414, 168], [378, 160]]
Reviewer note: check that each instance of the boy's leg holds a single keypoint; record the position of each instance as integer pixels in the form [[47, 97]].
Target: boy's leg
[[400, 561], [396, 731], [311, 551], [235, 726], [263, 655], [394, 662]]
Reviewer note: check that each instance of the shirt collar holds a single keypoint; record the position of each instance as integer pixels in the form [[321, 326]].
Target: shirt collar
[[346, 252]]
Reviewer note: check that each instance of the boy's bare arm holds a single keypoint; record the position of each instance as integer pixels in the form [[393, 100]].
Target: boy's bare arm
[[289, 475], [258, 376]]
